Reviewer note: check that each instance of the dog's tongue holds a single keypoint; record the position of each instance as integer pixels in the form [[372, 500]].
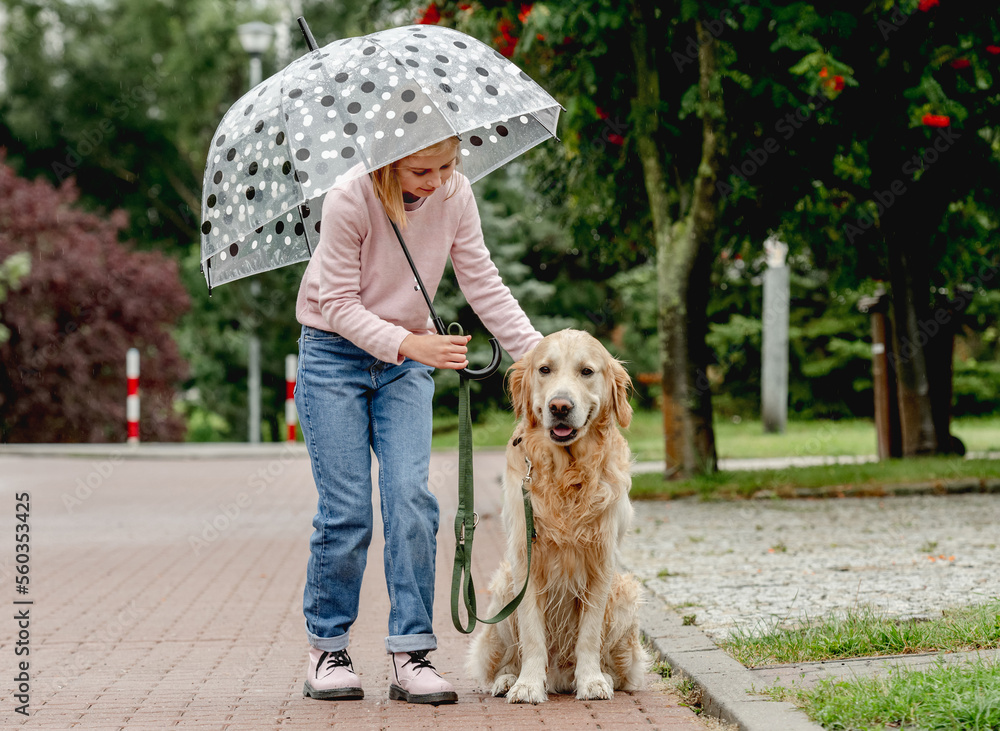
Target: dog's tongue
[[562, 431]]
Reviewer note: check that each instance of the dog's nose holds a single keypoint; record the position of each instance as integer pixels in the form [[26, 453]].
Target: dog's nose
[[560, 407]]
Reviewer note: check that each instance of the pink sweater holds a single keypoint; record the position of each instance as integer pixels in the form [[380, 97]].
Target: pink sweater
[[359, 285]]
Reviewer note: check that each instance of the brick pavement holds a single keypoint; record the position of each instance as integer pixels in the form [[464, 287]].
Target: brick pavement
[[167, 594]]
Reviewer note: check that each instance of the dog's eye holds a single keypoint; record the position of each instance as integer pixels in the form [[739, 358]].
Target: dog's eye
[[544, 369], [587, 372]]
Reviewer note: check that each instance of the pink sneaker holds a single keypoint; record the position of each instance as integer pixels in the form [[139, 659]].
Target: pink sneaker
[[417, 681], [331, 677]]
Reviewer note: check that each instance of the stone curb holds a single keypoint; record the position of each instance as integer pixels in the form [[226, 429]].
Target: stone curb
[[727, 688], [958, 486], [725, 685]]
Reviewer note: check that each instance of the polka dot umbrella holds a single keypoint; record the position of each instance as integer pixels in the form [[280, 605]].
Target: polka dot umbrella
[[343, 110]]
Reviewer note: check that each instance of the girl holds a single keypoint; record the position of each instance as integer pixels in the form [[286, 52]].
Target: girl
[[364, 385]]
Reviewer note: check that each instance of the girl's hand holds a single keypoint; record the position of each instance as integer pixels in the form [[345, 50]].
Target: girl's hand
[[437, 351]]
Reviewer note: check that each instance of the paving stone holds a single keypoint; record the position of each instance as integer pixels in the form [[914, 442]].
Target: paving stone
[[808, 674], [168, 595]]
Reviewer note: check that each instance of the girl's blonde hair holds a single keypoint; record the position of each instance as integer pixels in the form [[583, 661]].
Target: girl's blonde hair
[[389, 191]]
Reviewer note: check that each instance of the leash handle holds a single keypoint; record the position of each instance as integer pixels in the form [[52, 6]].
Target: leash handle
[[465, 526]]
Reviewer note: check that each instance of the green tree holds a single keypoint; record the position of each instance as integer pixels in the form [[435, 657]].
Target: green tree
[[633, 186], [123, 104], [836, 106], [824, 107], [202, 72], [879, 155], [123, 98]]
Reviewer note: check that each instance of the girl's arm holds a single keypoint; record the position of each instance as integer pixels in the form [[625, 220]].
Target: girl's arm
[[484, 289]]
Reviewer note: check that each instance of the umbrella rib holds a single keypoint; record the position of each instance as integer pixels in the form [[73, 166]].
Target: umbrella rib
[[306, 236]]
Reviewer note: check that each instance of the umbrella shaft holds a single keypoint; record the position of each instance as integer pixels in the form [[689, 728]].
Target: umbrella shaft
[[438, 322]]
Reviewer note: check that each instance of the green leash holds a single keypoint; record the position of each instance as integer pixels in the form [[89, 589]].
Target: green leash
[[465, 525]]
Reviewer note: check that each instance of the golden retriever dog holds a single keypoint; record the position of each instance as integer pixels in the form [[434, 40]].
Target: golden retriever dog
[[576, 629]]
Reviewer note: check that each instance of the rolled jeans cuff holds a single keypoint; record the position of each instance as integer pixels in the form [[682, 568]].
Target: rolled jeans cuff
[[410, 643], [329, 644]]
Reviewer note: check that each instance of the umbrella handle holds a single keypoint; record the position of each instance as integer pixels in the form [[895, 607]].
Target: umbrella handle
[[454, 328], [473, 375], [479, 375]]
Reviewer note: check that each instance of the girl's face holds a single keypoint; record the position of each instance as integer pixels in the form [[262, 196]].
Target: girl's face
[[421, 174]]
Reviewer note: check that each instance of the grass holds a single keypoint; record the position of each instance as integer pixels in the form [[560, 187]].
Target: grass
[[863, 633], [980, 434], [861, 479], [745, 439], [963, 697], [959, 698], [492, 429]]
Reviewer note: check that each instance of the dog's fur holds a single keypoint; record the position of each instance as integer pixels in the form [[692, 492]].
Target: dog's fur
[[576, 629]]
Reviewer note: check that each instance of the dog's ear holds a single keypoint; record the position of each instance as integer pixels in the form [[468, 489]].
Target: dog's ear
[[620, 387], [517, 387]]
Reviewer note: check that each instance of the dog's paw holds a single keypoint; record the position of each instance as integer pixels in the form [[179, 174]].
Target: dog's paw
[[595, 688], [527, 692], [502, 684]]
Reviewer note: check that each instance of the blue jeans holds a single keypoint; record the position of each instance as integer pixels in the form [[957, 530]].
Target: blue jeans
[[351, 404]]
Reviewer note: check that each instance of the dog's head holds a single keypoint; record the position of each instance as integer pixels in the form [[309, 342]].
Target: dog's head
[[568, 385]]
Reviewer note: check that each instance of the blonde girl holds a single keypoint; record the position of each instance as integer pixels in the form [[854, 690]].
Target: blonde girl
[[364, 386]]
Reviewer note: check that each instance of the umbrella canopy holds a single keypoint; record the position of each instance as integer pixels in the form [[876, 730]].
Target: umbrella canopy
[[343, 110]]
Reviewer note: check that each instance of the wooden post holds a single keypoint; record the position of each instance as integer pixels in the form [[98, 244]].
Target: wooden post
[[887, 434]]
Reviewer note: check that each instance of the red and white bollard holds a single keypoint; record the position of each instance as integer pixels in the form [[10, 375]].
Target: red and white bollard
[[291, 415], [132, 399]]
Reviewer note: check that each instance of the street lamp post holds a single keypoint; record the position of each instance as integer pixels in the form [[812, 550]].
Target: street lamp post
[[255, 38]]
